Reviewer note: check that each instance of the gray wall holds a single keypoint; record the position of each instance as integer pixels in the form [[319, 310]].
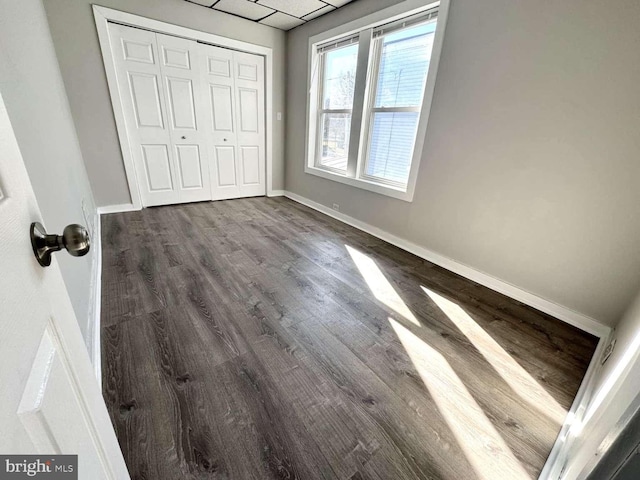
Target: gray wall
[[76, 43], [34, 94], [530, 168]]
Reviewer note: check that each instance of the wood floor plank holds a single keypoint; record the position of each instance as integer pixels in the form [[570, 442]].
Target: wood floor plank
[[257, 339]]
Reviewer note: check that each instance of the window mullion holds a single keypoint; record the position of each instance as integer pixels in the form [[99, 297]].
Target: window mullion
[[358, 100], [370, 96]]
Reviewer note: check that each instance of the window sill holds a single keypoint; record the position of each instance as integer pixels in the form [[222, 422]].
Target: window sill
[[379, 188]]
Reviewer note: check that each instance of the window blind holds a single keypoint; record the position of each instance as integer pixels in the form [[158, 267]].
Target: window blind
[[406, 22], [339, 43]]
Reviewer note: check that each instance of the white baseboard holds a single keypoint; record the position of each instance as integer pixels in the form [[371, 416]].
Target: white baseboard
[[124, 207], [276, 193], [565, 314]]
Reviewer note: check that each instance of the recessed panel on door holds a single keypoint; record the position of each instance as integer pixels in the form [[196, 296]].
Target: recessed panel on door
[[157, 167], [176, 58], [248, 109], [248, 72], [189, 166], [226, 166], [221, 107], [219, 66], [181, 103], [137, 51], [250, 156], [146, 99]]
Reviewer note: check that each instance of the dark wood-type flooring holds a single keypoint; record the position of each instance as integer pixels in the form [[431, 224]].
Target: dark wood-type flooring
[[258, 339]]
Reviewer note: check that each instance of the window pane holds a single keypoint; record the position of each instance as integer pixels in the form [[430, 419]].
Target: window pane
[[335, 140], [339, 77], [392, 138], [404, 64]]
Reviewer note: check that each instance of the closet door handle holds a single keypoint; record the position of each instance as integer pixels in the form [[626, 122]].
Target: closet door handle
[[225, 139], [183, 137]]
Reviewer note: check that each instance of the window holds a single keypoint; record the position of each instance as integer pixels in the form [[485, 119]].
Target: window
[[338, 66], [367, 96]]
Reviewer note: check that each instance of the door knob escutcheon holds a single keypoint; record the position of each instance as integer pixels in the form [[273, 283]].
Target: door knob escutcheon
[[74, 238]]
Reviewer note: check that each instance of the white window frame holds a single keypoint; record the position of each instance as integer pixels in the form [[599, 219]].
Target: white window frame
[[358, 140]]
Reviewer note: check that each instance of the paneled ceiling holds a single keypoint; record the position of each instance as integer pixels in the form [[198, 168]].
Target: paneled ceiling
[[282, 14]]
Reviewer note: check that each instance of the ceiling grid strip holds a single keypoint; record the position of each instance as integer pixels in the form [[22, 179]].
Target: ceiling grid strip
[[284, 20]]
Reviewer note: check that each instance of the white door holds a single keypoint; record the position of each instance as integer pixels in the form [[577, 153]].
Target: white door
[[158, 79], [50, 401], [183, 88], [235, 97]]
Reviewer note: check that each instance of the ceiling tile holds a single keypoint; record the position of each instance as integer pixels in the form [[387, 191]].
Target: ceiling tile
[[243, 8], [297, 8], [317, 13], [338, 3], [282, 21], [282, 14]]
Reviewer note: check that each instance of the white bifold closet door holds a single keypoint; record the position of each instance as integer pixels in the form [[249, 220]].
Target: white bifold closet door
[[235, 91], [160, 80]]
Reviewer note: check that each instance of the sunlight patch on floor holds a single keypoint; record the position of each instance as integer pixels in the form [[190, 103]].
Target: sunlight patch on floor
[[482, 445], [520, 381], [379, 285]]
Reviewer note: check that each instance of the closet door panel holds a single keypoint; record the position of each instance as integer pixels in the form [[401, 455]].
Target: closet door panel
[[222, 104], [249, 88], [141, 91], [184, 91]]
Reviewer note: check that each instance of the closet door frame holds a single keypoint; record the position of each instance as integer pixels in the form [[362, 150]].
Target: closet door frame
[[103, 16]]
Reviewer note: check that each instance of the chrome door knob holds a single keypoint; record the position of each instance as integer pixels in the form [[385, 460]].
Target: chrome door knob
[[74, 239]]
